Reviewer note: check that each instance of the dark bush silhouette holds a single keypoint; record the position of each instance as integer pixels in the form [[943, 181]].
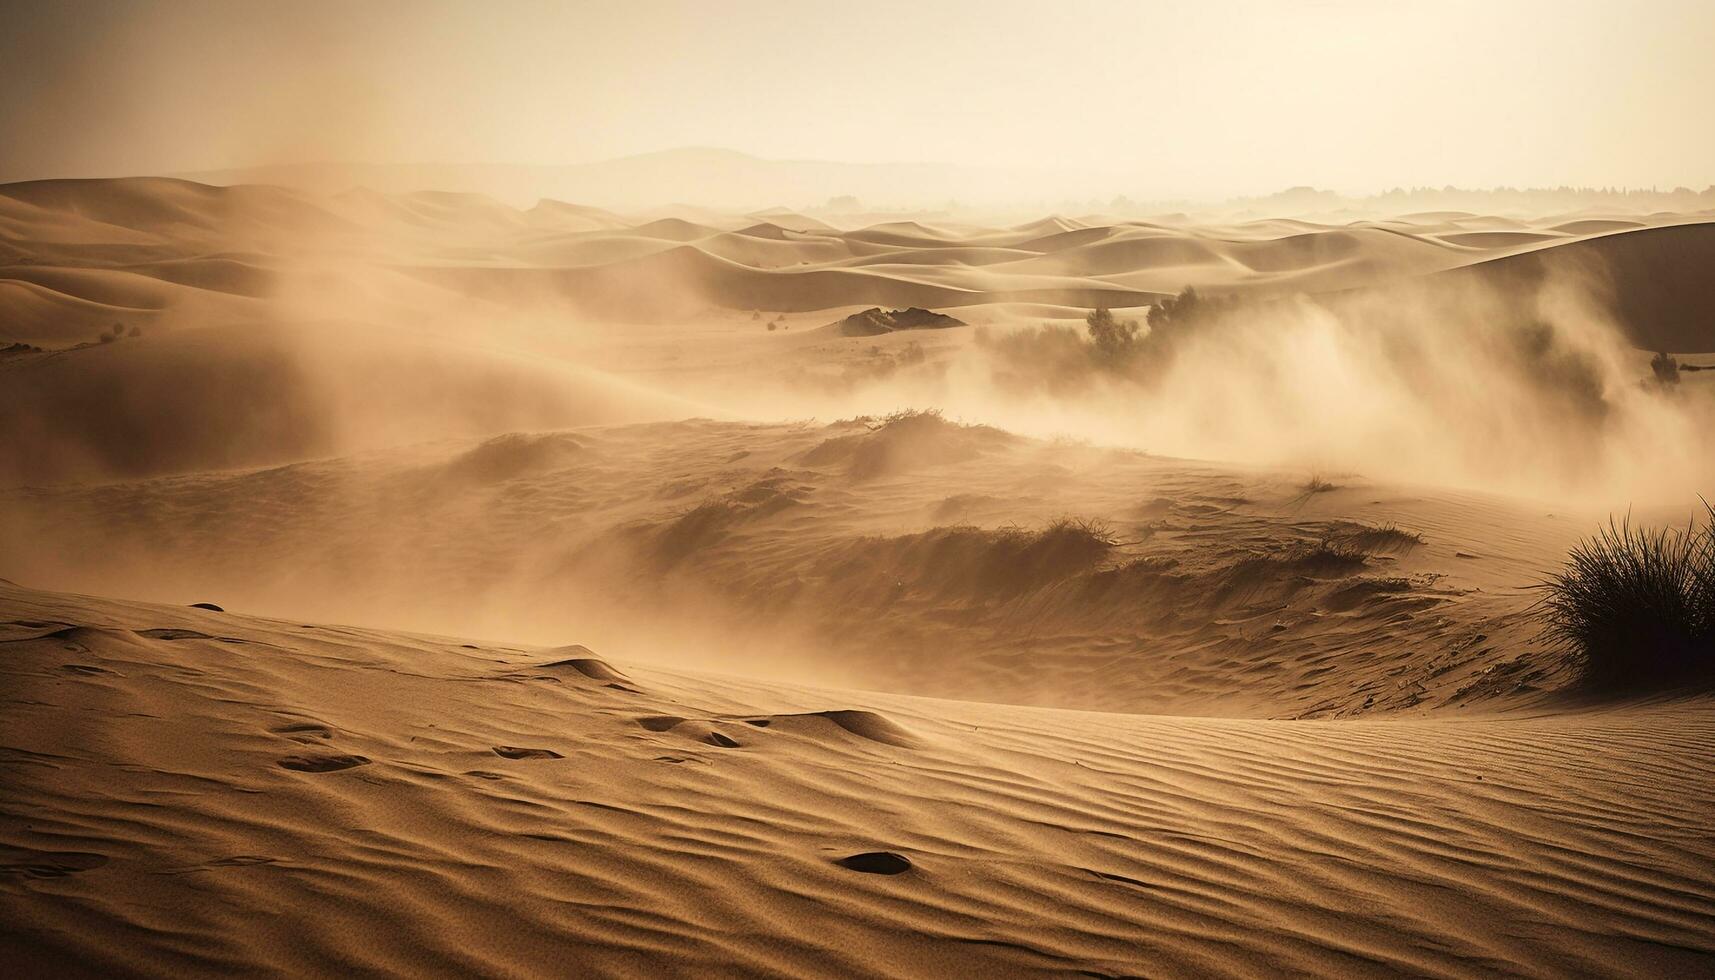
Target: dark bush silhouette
[[1666, 368], [1060, 358], [1177, 317], [1638, 605], [1113, 341]]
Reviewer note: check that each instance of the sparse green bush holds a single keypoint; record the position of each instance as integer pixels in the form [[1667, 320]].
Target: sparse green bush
[[1638, 605]]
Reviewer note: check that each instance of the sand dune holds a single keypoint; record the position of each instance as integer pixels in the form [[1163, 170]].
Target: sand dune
[[228, 239], [919, 556], [897, 694], [431, 806], [1654, 279], [143, 406]]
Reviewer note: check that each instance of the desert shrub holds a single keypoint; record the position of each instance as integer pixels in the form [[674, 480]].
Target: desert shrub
[[1051, 357], [905, 418], [1380, 538], [1326, 557], [1638, 604], [1112, 341], [1666, 368], [1175, 317], [1060, 358]]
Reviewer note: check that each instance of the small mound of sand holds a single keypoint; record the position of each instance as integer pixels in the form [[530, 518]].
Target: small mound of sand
[[976, 561], [905, 441], [864, 724], [513, 455], [1377, 539], [715, 518], [583, 660]]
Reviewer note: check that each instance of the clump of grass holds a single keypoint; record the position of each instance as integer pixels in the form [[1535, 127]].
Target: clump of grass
[[1639, 605], [1319, 485], [1381, 538], [1327, 557], [1091, 536], [927, 417]]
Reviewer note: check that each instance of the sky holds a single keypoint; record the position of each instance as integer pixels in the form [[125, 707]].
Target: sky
[[1182, 98]]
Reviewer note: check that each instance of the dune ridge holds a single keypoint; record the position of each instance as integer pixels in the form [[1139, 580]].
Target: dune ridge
[[916, 555], [86, 239]]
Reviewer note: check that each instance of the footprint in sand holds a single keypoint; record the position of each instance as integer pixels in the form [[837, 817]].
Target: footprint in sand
[[876, 863], [514, 752], [322, 763]]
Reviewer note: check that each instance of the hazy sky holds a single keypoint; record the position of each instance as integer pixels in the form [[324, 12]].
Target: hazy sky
[[1184, 97]]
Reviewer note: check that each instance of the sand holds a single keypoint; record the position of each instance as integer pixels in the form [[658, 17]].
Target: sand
[[575, 597], [211, 792]]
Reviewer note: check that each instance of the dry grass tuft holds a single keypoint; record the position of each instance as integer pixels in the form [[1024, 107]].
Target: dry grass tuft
[[1639, 605]]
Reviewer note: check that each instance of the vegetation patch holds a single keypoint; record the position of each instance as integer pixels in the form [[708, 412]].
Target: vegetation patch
[[1638, 604]]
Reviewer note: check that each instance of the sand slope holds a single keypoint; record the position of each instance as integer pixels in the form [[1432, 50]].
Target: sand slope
[[909, 557], [176, 779], [244, 395]]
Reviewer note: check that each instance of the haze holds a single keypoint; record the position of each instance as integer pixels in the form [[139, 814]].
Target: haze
[[1154, 100], [864, 490]]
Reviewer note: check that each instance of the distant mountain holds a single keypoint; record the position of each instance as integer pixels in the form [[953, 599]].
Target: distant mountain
[[703, 176], [684, 180]]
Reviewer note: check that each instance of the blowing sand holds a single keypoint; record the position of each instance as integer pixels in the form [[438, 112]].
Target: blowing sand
[[1217, 655]]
